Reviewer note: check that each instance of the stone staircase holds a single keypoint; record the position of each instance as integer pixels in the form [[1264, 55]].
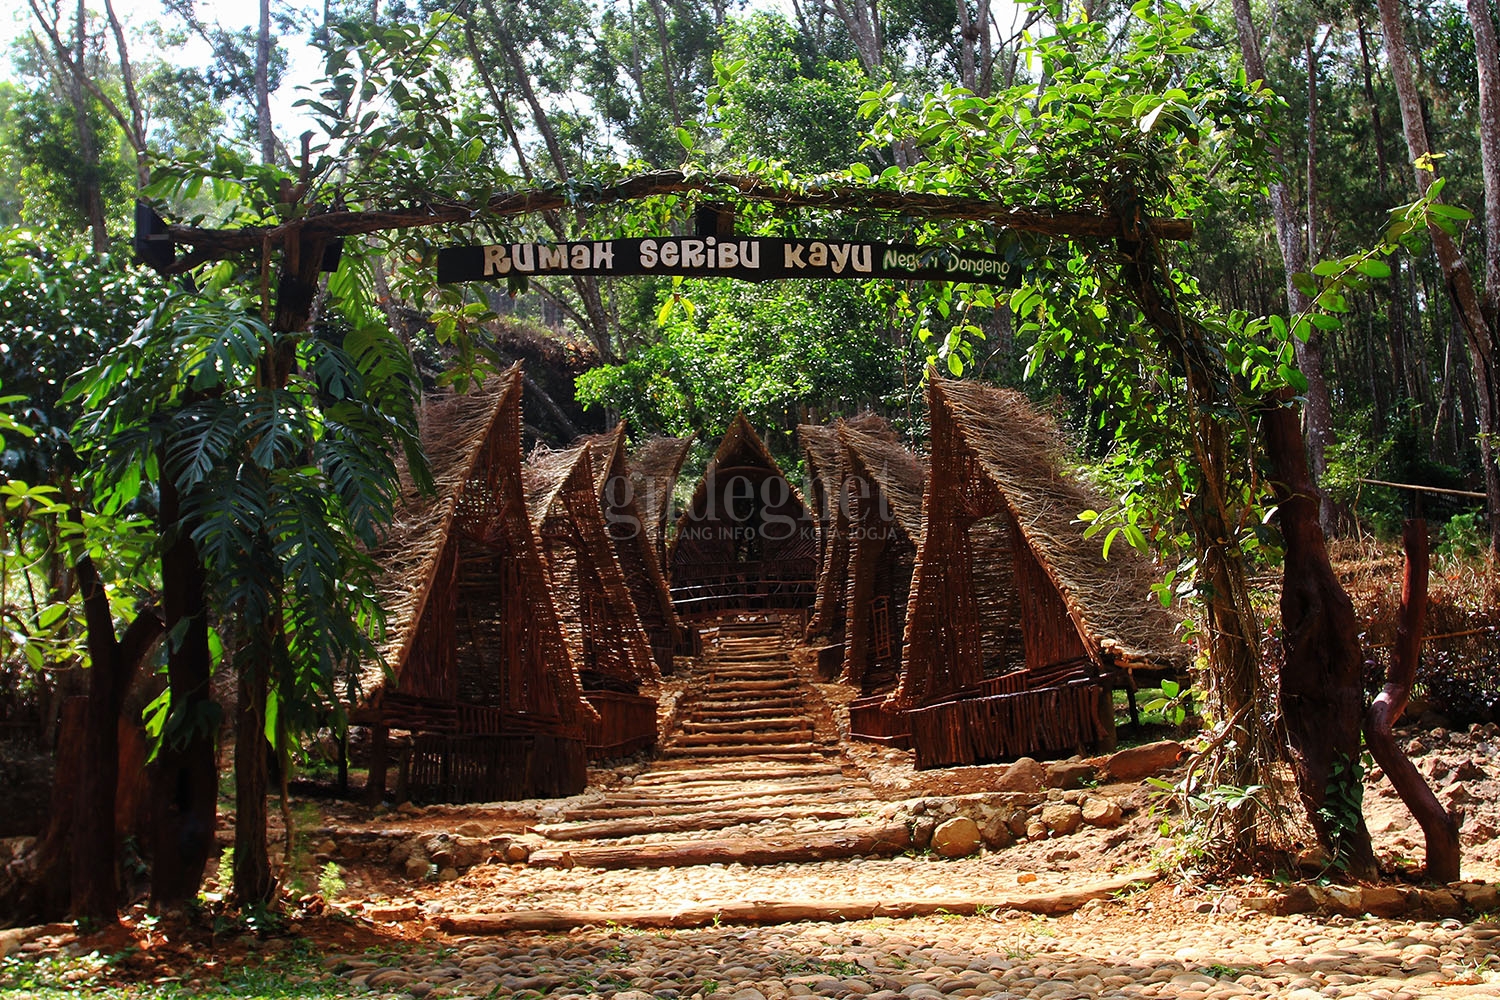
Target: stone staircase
[[745, 755]]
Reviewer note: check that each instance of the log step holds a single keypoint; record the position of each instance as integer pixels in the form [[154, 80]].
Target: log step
[[632, 826], [772, 722], [792, 752], [853, 842], [787, 737]]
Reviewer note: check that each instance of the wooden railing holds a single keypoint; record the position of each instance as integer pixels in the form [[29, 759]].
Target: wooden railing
[[1073, 717]]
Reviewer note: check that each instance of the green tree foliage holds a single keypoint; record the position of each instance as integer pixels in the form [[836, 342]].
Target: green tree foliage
[[759, 348], [778, 98]]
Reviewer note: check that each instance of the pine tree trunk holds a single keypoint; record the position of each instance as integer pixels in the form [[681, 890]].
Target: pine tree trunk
[[1318, 417], [1478, 329]]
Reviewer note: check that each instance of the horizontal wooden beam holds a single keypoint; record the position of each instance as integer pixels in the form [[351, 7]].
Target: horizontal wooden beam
[[325, 224]]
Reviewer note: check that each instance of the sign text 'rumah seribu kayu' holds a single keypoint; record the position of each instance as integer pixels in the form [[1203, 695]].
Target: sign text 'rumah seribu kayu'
[[747, 258]]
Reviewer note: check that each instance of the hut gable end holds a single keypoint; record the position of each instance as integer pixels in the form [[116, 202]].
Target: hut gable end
[[1020, 452]]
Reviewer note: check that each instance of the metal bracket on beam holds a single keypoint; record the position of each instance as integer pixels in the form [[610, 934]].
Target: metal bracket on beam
[[714, 220], [152, 242]]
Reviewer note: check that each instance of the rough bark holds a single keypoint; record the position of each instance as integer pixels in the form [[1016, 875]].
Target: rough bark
[[185, 775], [1322, 691], [1478, 329], [1439, 826], [113, 662], [253, 882]]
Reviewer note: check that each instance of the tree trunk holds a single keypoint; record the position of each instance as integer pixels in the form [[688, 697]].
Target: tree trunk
[[253, 882], [1487, 55], [1318, 416], [90, 199], [1322, 690], [185, 776], [263, 131], [1438, 825], [112, 664], [1459, 281], [1249, 750]]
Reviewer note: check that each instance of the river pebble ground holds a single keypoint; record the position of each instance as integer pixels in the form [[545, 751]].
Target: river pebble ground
[[1148, 944]]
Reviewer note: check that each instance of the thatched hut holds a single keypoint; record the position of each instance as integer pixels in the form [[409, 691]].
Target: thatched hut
[[600, 621], [823, 454], [1083, 619], [884, 491], [746, 540], [654, 467], [625, 518], [475, 664]]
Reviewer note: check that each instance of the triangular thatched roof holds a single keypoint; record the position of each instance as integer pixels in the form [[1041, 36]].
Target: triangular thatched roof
[[472, 444], [591, 594], [1021, 452], [900, 474], [621, 500], [654, 468]]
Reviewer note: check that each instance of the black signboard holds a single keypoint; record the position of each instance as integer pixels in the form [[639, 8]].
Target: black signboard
[[749, 259]]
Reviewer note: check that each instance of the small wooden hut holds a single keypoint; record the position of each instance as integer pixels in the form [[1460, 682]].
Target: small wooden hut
[[654, 468], [600, 621], [823, 454], [745, 541], [475, 665], [1084, 620], [885, 487], [626, 519]]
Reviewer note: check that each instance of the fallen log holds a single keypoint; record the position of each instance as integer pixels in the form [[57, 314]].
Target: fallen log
[[787, 911], [865, 841]]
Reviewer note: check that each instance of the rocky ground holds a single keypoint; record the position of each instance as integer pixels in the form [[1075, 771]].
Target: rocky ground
[[1046, 881]]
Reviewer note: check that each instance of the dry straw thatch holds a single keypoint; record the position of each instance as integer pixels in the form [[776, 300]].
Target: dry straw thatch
[[592, 598], [825, 467], [654, 468], [884, 489], [997, 454], [620, 501], [472, 636]]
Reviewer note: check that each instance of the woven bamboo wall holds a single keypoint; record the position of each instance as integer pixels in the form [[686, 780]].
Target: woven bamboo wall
[[472, 618], [746, 541], [625, 520]]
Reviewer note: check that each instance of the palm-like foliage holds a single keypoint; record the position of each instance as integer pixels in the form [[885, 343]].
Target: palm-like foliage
[[283, 485]]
